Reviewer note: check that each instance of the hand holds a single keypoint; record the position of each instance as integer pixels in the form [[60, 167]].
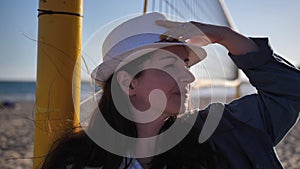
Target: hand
[[192, 32], [204, 34]]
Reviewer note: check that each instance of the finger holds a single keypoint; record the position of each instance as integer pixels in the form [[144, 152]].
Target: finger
[[178, 33], [201, 40], [173, 33], [182, 29], [167, 24]]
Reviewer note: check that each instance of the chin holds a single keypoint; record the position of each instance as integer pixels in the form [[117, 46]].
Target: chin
[[183, 109], [178, 110], [177, 105]]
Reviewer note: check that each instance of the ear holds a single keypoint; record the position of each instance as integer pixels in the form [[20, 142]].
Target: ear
[[125, 80]]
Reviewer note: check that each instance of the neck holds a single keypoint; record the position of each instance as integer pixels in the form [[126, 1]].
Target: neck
[[150, 129], [148, 123], [145, 162], [146, 130]]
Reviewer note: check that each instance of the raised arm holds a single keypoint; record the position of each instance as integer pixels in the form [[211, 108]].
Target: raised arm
[[204, 34], [275, 109]]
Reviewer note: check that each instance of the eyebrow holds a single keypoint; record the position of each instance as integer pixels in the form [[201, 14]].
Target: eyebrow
[[169, 57]]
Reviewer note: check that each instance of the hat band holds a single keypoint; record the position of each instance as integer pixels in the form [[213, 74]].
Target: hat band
[[131, 43]]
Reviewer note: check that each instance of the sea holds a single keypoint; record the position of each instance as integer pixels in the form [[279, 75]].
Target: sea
[[25, 90]]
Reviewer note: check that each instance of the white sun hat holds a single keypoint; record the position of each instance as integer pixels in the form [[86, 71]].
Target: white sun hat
[[135, 38]]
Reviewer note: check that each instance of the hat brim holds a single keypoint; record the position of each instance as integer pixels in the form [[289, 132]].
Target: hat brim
[[104, 70]]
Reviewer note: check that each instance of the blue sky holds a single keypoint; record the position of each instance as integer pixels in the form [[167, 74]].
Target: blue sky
[[275, 19]]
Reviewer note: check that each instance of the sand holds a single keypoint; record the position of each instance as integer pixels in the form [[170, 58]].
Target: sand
[[16, 139], [16, 136]]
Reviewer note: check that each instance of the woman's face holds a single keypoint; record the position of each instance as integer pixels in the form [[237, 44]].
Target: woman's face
[[166, 71]]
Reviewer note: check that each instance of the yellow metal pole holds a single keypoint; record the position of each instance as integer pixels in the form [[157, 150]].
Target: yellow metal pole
[[145, 6], [58, 73]]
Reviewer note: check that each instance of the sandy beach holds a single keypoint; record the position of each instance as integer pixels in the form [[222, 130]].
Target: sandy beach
[[16, 139]]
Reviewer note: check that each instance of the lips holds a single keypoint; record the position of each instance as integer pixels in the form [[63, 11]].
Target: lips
[[185, 94]]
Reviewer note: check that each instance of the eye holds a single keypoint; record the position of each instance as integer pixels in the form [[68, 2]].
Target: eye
[[169, 66], [186, 61]]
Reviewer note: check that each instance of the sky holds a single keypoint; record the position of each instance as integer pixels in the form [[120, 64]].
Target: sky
[[276, 19]]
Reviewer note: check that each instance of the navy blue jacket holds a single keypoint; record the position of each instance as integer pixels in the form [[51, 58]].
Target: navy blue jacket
[[252, 126]]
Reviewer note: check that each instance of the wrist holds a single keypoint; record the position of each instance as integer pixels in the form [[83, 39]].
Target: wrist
[[236, 43], [226, 37], [217, 34]]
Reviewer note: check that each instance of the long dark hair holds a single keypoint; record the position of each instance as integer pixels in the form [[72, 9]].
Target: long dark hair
[[78, 150]]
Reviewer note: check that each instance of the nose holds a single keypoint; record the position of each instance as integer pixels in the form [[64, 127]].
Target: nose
[[187, 76]]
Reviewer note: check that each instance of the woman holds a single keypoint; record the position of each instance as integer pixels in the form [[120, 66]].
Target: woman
[[145, 81]]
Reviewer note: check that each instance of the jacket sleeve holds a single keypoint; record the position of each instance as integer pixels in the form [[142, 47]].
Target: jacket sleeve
[[275, 108]]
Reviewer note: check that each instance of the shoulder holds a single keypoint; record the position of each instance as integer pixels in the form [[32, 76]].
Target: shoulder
[[75, 148]]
